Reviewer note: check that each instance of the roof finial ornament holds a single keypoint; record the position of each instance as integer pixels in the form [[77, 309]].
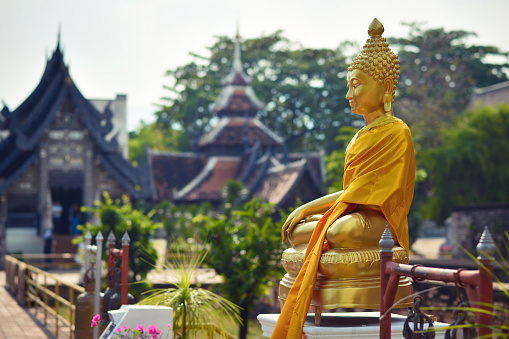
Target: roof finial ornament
[[237, 63], [59, 34]]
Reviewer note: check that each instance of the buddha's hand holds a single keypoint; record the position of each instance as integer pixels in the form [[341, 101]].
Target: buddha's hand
[[293, 219]]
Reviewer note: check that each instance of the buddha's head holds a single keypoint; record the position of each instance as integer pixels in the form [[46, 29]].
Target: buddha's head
[[378, 67]]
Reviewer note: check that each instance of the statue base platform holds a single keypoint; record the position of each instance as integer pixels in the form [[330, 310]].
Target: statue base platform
[[344, 325], [347, 278]]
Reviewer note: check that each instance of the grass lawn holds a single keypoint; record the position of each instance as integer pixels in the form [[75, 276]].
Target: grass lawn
[[254, 330]]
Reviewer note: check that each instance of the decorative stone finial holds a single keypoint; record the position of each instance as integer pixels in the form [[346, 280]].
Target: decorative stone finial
[[99, 237], [125, 239], [375, 29], [111, 238], [486, 247], [88, 237], [386, 242]]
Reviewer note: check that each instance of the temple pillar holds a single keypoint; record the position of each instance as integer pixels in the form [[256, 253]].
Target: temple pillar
[[88, 178], [44, 192], [3, 233]]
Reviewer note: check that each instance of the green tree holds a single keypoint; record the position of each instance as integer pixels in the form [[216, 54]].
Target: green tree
[[157, 138], [245, 250], [178, 219], [439, 71], [303, 89], [472, 165], [121, 217]]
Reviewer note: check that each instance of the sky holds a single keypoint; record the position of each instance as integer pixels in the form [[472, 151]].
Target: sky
[[125, 46]]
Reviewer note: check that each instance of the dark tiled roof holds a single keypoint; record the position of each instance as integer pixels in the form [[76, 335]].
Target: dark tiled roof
[[315, 162], [277, 182], [171, 172], [29, 121], [209, 183], [284, 184], [232, 131], [236, 101], [124, 173]]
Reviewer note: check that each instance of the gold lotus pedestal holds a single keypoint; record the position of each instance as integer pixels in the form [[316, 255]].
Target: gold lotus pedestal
[[347, 278]]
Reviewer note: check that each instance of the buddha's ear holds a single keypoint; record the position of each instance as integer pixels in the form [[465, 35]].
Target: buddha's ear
[[388, 99], [389, 86]]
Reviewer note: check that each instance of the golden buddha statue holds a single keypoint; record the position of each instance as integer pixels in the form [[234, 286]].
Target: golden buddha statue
[[334, 259]]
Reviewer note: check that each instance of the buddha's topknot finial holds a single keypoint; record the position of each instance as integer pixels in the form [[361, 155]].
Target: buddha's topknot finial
[[376, 58], [375, 28]]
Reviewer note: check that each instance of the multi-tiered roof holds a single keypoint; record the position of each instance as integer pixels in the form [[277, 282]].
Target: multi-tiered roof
[[24, 128], [238, 147]]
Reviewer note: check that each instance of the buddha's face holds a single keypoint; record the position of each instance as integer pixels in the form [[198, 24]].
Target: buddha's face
[[364, 93]]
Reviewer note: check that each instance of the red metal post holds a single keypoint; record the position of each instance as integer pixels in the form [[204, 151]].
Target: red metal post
[[486, 250], [386, 244], [111, 259], [125, 268]]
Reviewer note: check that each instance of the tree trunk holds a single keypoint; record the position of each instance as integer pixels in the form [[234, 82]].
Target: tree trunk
[[244, 315]]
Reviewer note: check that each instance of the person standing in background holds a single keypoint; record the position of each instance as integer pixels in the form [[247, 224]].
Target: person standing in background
[[56, 215]]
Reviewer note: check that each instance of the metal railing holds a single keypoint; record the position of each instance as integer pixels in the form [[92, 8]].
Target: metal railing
[[46, 292], [478, 285], [50, 260]]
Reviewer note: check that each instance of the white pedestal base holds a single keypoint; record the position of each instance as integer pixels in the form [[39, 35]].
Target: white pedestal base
[[342, 325]]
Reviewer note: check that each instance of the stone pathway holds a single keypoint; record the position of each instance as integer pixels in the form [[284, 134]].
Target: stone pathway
[[15, 321]]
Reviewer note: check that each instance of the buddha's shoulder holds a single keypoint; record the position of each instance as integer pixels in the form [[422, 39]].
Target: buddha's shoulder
[[395, 129], [393, 125]]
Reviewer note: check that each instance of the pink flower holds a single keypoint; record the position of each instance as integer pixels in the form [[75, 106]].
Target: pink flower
[[120, 329], [140, 328], [95, 320], [152, 329], [169, 326]]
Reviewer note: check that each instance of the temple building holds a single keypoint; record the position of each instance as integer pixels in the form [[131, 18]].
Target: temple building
[[238, 147], [59, 148], [490, 95]]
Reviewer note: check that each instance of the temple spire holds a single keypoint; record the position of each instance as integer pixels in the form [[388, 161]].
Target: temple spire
[[237, 62], [59, 34], [237, 96]]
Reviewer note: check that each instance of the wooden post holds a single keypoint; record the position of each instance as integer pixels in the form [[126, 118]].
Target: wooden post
[[57, 306], [125, 268], [72, 312], [88, 241], [485, 250], [386, 244]]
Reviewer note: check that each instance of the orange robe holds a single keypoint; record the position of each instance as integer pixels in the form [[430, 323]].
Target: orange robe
[[379, 170]]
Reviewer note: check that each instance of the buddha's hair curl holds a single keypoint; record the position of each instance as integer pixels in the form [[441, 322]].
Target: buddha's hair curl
[[376, 58]]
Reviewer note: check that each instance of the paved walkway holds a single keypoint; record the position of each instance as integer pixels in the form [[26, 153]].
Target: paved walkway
[[16, 321]]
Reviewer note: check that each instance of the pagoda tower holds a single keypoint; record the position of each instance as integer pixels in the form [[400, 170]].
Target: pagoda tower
[[236, 107]]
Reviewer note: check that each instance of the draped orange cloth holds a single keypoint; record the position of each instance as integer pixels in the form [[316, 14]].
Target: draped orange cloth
[[379, 170]]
